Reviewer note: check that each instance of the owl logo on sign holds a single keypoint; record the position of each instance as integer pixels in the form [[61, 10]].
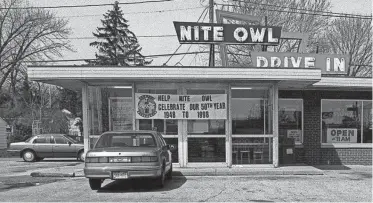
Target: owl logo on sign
[[146, 106]]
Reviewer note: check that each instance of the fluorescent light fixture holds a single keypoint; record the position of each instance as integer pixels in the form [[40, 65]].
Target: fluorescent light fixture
[[241, 88], [121, 87]]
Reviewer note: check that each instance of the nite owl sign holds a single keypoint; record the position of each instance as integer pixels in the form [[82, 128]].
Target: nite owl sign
[[210, 33]]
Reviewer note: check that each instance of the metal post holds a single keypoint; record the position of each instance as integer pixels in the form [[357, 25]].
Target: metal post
[[212, 51], [264, 47]]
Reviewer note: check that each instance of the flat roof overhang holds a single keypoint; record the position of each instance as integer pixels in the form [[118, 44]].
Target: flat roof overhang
[[74, 77], [343, 84]]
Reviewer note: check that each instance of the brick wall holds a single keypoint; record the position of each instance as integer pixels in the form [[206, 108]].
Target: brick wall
[[312, 153]]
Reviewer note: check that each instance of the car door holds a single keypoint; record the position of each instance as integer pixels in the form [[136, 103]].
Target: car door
[[42, 146], [62, 148]]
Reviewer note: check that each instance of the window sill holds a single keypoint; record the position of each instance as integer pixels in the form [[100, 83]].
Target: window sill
[[346, 145], [298, 145]]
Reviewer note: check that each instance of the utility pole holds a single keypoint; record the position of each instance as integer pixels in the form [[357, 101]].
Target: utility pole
[[212, 50]]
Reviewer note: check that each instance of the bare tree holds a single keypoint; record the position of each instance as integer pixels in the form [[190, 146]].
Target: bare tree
[[352, 36], [288, 14], [27, 34]]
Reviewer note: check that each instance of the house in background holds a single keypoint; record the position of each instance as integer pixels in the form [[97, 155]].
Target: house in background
[[3, 134]]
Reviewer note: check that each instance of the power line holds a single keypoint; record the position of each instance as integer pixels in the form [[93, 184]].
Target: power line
[[192, 44], [148, 56], [140, 36], [165, 63], [159, 11], [282, 11], [328, 12], [85, 5]]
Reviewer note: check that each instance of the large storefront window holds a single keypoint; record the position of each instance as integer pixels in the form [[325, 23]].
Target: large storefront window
[[249, 114], [290, 119], [252, 116], [206, 149], [212, 147], [164, 126], [252, 150], [342, 121]]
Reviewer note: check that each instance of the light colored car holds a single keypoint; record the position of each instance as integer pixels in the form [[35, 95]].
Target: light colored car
[[128, 155], [43, 146]]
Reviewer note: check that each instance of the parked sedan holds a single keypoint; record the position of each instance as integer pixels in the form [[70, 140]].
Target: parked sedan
[[128, 155], [43, 146]]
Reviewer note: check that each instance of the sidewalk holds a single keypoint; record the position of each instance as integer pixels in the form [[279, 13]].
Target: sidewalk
[[77, 171]]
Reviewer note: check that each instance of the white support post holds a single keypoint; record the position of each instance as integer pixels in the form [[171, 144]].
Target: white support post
[[228, 129], [275, 125], [182, 137], [86, 128]]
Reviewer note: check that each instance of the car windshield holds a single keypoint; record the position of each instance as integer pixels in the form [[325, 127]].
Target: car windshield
[[29, 139], [126, 140]]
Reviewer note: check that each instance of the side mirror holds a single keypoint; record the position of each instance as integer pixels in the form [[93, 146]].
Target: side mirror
[[70, 143]]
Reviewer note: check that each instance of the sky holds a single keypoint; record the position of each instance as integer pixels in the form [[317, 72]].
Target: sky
[[144, 20]]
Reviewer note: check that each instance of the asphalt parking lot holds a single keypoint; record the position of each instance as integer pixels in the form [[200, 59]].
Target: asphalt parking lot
[[341, 184]]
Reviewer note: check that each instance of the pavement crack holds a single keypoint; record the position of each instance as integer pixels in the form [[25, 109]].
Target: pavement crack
[[213, 196]]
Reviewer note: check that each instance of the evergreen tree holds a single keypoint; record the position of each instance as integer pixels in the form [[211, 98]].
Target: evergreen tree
[[116, 44]]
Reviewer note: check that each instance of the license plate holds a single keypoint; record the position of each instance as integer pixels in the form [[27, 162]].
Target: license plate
[[120, 175], [120, 160]]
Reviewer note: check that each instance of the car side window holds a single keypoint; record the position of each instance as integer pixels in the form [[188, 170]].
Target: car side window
[[60, 140], [42, 140]]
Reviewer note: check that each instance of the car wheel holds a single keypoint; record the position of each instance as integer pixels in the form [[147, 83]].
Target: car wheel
[[81, 156], [95, 184], [169, 174], [161, 179], [29, 156]]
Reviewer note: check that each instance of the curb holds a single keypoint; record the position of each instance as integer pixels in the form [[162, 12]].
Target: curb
[[201, 172], [40, 174], [242, 173]]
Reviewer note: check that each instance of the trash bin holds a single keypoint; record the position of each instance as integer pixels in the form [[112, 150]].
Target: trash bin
[[286, 148]]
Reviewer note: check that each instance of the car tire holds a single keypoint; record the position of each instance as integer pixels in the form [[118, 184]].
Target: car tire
[[169, 173], [29, 156], [95, 184], [81, 156], [161, 179]]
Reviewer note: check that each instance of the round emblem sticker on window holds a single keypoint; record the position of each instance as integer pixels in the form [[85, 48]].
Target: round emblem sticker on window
[[146, 106]]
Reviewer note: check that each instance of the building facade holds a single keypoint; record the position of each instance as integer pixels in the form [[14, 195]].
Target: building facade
[[236, 116]]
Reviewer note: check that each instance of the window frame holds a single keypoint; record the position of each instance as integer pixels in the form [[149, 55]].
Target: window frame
[[297, 143], [345, 145]]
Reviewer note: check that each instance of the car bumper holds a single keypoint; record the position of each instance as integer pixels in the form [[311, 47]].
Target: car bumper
[[106, 172]]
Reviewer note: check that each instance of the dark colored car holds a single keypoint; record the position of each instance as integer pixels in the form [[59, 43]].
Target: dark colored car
[[43, 146], [128, 155]]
